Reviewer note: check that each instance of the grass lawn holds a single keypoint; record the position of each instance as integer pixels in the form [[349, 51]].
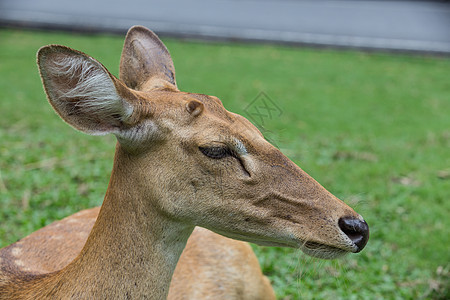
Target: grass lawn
[[374, 129]]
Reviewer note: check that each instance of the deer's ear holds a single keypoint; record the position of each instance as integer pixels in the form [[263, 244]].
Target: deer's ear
[[82, 91], [146, 63]]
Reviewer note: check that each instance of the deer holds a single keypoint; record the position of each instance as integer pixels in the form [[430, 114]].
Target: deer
[[182, 161], [210, 267]]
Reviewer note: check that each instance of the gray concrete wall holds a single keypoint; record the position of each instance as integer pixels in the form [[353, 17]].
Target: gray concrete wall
[[422, 26]]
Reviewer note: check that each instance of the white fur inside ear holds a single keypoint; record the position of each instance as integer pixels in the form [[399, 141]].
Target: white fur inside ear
[[87, 88], [144, 131]]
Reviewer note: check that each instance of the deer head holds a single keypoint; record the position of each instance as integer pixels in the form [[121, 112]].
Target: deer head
[[189, 158]]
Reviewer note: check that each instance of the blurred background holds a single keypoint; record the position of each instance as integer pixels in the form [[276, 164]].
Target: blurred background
[[394, 25], [361, 95]]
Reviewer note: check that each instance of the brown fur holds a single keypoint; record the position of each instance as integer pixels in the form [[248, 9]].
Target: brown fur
[[162, 184], [210, 267]]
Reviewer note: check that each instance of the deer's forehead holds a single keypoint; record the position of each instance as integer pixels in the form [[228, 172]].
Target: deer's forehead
[[214, 123], [173, 101]]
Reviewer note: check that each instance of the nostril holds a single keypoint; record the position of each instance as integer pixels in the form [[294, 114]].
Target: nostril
[[357, 230]]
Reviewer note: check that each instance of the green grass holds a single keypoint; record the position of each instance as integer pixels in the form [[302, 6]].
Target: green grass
[[374, 129]]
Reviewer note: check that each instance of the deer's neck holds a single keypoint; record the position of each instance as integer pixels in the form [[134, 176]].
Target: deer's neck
[[132, 250]]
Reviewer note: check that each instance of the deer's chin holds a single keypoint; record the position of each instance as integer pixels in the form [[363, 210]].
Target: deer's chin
[[322, 251], [309, 248]]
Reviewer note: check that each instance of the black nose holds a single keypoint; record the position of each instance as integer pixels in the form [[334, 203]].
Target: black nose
[[357, 230]]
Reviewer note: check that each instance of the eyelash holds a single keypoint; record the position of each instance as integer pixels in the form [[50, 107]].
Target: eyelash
[[222, 152], [216, 152]]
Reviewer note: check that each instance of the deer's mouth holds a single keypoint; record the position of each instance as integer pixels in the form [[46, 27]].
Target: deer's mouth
[[322, 251], [312, 249]]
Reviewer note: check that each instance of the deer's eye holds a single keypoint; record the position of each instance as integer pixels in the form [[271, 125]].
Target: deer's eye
[[216, 152]]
